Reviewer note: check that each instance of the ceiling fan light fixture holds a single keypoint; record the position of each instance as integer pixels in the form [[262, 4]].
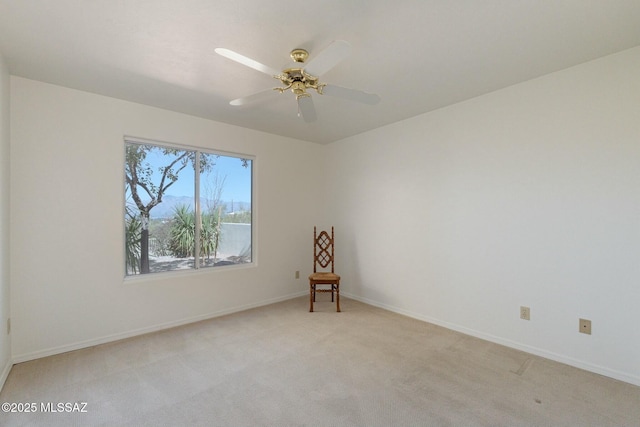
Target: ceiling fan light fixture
[[302, 94], [299, 89]]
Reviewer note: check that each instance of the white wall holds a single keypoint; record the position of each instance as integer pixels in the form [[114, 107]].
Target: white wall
[[5, 341], [67, 184], [526, 196]]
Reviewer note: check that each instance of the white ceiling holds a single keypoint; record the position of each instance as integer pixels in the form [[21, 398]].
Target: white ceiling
[[418, 55]]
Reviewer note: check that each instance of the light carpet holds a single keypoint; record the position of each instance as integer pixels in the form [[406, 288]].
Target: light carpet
[[280, 365]]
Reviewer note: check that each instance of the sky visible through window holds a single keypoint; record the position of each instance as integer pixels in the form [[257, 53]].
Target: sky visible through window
[[236, 187]]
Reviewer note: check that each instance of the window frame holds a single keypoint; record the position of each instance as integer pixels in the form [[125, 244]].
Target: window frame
[[196, 269]]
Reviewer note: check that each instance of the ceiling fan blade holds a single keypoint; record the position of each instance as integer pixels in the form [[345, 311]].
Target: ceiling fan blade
[[256, 97], [234, 56], [328, 58], [307, 109], [351, 94]]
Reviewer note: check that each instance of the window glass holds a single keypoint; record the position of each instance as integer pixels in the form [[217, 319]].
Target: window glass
[[183, 205]]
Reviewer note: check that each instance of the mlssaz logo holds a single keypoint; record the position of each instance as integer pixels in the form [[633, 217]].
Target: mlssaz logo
[[63, 407]]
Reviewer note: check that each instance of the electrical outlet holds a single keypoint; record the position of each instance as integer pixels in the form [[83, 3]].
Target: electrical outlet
[[525, 313], [585, 326], [8, 326], [297, 274]]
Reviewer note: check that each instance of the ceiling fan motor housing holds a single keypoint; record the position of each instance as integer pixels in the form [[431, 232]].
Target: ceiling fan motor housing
[[298, 81]]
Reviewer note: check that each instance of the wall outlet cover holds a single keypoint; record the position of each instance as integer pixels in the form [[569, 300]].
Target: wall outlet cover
[[585, 326]]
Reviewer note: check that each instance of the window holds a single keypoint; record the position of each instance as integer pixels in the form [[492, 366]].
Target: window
[[185, 208]]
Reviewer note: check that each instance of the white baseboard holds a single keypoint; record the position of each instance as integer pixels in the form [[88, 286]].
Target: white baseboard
[[141, 331], [5, 373], [611, 373]]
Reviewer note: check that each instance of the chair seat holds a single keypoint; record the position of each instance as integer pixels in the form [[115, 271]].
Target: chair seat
[[324, 276]]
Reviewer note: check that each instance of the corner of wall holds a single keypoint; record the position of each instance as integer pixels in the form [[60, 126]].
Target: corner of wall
[[5, 338]]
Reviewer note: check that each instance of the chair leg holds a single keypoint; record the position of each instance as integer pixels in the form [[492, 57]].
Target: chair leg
[[311, 297], [337, 297]]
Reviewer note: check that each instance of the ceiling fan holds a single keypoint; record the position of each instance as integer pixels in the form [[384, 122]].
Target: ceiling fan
[[302, 76]]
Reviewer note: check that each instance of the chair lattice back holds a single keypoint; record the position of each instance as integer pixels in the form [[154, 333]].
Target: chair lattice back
[[322, 249]]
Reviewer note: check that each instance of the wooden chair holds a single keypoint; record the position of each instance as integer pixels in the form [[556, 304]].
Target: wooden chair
[[323, 257]]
